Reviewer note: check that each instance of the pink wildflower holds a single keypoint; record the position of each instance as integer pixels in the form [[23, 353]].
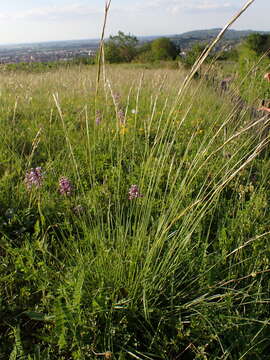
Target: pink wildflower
[[134, 192], [34, 177], [65, 187]]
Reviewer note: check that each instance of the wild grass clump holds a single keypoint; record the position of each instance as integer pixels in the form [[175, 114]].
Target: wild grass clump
[[134, 223]]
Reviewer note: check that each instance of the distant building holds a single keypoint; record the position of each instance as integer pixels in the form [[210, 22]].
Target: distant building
[[92, 52]]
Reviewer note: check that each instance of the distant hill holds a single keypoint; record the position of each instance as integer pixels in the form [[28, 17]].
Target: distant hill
[[53, 44], [187, 39], [212, 33]]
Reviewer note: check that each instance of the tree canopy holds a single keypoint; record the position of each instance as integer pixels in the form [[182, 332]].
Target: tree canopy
[[193, 54], [164, 49], [121, 48], [126, 48], [259, 43]]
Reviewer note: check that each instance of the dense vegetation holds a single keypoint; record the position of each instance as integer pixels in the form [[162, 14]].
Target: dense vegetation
[[126, 48], [123, 48], [134, 220]]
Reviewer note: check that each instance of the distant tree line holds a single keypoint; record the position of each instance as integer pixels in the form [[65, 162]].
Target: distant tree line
[[254, 45], [126, 48], [259, 43]]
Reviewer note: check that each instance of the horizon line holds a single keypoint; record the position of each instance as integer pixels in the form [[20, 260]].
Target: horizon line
[[138, 36]]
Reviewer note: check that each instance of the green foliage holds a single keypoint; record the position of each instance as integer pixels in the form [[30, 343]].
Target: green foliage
[[144, 54], [164, 49], [121, 48], [125, 48], [229, 55], [181, 272], [259, 43], [17, 352], [112, 53], [47, 66], [254, 88], [193, 54]]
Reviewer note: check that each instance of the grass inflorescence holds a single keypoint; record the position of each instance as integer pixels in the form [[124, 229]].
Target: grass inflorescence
[[134, 216], [145, 237]]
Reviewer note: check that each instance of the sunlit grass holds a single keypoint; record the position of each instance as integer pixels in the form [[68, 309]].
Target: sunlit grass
[[180, 272]]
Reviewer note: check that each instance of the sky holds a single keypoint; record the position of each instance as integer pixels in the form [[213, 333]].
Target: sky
[[24, 21]]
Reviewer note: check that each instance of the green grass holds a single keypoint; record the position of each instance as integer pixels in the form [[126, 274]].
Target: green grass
[[180, 273]]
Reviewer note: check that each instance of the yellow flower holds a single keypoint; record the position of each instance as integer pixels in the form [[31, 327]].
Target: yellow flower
[[123, 130]]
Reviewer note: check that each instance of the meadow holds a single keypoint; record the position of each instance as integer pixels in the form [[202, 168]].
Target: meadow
[[134, 217]]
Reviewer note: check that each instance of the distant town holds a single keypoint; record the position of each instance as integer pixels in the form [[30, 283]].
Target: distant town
[[47, 52]]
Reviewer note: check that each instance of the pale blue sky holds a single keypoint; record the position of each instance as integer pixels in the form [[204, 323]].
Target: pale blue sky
[[43, 20]]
